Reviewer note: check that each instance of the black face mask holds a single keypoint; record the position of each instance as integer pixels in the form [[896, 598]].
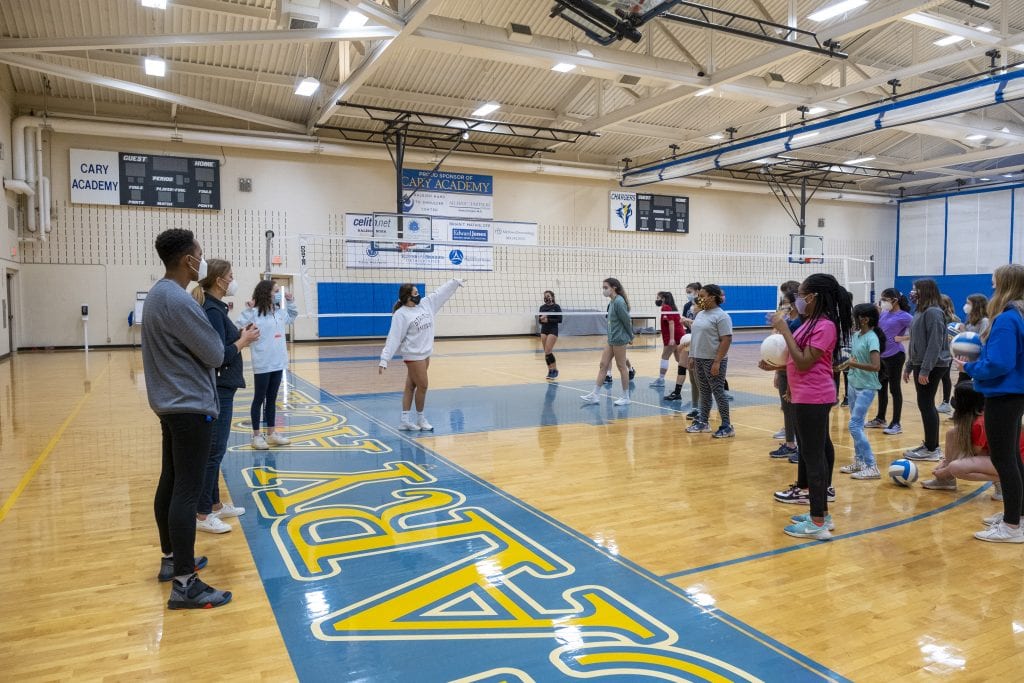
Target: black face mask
[[415, 299], [549, 301], [658, 302]]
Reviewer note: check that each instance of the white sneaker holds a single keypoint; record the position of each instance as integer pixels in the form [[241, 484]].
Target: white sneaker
[[992, 520], [660, 382], [590, 398], [922, 453], [945, 408], [425, 426], [212, 525], [1001, 533], [892, 430], [852, 467], [228, 510], [259, 443], [997, 492], [867, 473], [276, 439], [781, 434], [623, 401], [407, 426]]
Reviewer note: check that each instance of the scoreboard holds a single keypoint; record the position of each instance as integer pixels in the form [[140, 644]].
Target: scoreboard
[[639, 212], [175, 182]]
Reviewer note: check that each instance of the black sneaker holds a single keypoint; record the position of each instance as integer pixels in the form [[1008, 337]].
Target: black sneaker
[[693, 414], [783, 451], [632, 373], [196, 595], [793, 495], [167, 567], [607, 379], [845, 403], [795, 458], [674, 396]]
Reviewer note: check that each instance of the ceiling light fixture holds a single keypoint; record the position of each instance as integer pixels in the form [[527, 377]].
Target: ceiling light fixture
[[716, 136], [705, 91], [465, 135], [804, 136], [826, 13], [975, 137], [155, 66], [585, 53], [563, 68], [985, 29], [814, 111], [984, 180], [861, 160], [353, 19], [488, 108], [155, 4], [307, 86], [948, 40]]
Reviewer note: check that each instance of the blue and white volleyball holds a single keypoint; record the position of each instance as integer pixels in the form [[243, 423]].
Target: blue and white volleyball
[[967, 345], [903, 472]]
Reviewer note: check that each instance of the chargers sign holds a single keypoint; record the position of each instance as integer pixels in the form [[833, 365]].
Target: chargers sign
[[622, 214]]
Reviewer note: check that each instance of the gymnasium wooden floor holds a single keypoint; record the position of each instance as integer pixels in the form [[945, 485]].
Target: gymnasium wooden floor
[[529, 538]]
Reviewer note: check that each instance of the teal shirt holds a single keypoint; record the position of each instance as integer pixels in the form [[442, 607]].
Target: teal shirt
[[861, 348], [620, 326]]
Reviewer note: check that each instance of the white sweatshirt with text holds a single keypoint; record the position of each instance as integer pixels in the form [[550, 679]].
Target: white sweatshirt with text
[[412, 327]]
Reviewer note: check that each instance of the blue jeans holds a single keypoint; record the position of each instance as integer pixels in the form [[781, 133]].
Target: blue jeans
[[210, 495], [860, 402]]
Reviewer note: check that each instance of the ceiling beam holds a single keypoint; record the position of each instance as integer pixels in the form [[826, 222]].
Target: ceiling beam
[[35, 64], [312, 35], [374, 12], [221, 7], [547, 115], [945, 25], [182, 67]]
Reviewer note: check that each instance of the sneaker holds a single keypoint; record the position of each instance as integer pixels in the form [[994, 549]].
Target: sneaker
[[892, 430], [212, 525], [1001, 533], [548, 376], [845, 403], [660, 382], [693, 414], [674, 396], [259, 443], [167, 565], [632, 374], [877, 423], [424, 426], [276, 439], [795, 458], [552, 375], [922, 453], [992, 520], [794, 494], [623, 401], [196, 595], [781, 434], [407, 426], [997, 492], [782, 451], [830, 494], [945, 408], [852, 467], [228, 510], [607, 379], [729, 397], [590, 398], [698, 428], [806, 517], [867, 473], [724, 432], [936, 484], [808, 529]]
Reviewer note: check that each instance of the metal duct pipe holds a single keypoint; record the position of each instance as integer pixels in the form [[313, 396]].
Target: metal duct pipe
[[28, 170]]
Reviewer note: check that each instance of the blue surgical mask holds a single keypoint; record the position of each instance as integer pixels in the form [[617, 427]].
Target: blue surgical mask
[[278, 297]]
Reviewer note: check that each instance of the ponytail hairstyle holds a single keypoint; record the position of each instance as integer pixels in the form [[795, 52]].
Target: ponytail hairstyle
[[947, 309], [215, 269], [833, 303], [668, 300], [897, 296], [979, 308], [967, 404], [617, 288], [263, 297], [871, 313], [404, 294], [1009, 281]]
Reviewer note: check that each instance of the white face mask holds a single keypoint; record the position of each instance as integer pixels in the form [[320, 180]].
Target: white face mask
[[232, 288], [967, 309], [690, 296], [886, 306], [606, 291], [201, 270]]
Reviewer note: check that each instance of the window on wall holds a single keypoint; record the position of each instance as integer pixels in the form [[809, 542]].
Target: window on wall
[[921, 237], [978, 232]]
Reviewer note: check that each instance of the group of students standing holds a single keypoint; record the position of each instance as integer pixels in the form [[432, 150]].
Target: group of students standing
[[192, 360]]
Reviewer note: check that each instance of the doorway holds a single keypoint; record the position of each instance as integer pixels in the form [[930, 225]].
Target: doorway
[[8, 312]]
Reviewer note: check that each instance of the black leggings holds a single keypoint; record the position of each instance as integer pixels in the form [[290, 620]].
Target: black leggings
[[1002, 428], [926, 404], [817, 454], [186, 446], [265, 388], [787, 408], [947, 385], [891, 378]]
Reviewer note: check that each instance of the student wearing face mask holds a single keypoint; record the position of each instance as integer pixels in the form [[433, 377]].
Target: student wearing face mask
[[894, 321], [975, 320], [218, 284], [689, 312], [549, 331], [180, 351], [709, 351], [269, 357], [672, 332], [620, 333], [928, 361]]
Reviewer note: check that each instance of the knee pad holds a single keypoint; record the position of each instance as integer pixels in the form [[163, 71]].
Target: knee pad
[[682, 370], [550, 358]]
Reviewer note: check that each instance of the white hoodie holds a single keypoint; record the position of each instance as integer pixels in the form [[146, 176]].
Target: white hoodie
[[412, 327]]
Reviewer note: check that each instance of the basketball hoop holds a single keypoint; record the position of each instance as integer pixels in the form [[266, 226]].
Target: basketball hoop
[[405, 246]]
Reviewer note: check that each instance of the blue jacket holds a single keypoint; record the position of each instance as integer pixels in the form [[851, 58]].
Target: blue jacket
[[229, 375], [1000, 369]]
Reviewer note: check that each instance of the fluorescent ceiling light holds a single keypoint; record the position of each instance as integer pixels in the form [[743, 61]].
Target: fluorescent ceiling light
[[814, 111], [854, 162], [975, 137], [705, 91], [834, 10], [948, 40], [985, 29], [353, 19], [155, 4], [307, 86], [1007, 175], [585, 53], [984, 180], [485, 109], [716, 136], [155, 66], [804, 136], [563, 68]]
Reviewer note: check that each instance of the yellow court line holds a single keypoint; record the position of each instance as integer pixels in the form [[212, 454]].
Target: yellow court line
[[54, 440]]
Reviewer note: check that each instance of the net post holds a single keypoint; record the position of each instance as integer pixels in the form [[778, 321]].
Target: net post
[[269, 234]]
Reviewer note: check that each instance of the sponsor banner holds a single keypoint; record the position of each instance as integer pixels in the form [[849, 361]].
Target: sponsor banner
[[622, 211], [447, 230], [449, 257], [459, 195], [95, 177]]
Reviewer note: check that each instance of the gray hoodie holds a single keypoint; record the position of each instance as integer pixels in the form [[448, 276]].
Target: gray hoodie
[[180, 352], [928, 347]]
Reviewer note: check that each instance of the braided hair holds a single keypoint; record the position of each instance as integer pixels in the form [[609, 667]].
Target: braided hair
[[833, 303]]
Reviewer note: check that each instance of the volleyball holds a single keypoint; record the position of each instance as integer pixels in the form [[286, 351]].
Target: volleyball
[[903, 472], [952, 329], [685, 341], [966, 344], [774, 350]]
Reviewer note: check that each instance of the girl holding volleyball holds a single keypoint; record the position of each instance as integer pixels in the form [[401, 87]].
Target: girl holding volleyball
[[412, 333], [999, 375], [827, 312]]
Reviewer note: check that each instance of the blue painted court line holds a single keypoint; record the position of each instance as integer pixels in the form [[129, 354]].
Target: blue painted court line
[[840, 537]]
